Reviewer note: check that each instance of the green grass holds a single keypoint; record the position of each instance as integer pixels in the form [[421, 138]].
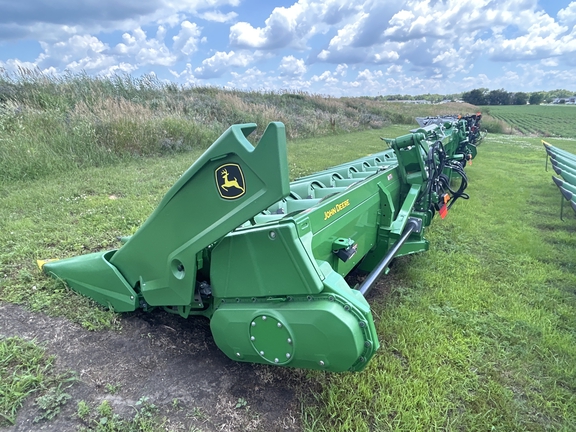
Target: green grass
[[479, 332], [24, 369], [541, 120], [104, 419], [71, 214]]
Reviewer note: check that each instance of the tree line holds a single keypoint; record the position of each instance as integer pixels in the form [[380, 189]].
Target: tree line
[[483, 96]]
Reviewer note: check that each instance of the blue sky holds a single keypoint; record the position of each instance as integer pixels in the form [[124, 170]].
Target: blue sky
[[331, 47]]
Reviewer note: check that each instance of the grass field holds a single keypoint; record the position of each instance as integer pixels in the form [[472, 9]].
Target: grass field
[[477, 334], [540, 120]]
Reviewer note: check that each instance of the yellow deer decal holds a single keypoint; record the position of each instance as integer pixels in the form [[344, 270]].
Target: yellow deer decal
[[229, 183]]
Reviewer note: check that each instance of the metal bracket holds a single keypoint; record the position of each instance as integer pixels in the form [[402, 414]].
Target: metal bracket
[[344, 248], [418, 222]]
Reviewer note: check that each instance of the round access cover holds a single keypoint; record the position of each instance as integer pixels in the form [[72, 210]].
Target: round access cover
[[271, 339]]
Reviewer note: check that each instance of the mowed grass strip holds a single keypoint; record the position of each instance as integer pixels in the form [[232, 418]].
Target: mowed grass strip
[[478, 333]]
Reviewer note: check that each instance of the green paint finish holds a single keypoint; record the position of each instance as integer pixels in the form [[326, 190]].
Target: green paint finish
[[316, 333], [92, 275], [194, 213], [264, 259], [160, 259], [264, 247], [272, 339], [567, 162]]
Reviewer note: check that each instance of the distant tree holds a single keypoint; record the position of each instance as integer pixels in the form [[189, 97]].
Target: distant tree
[[434, 98], [559, 93], [536, 98], [475, 97], [519, 98], [499, 97], [398, 97]]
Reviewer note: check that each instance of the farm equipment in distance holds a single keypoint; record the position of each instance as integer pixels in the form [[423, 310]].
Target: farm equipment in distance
[[564, 164], [265, 259], [475, 134]]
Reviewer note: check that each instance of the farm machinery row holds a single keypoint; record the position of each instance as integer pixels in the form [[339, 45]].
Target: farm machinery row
[[265, 259], [564, 164]]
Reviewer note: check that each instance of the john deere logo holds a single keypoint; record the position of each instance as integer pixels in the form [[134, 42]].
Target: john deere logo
[[230, 181]]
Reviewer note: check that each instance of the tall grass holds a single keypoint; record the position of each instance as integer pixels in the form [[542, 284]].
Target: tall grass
[[495, 126], [51, 124]]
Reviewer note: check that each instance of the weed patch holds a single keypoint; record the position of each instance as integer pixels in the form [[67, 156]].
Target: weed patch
[[26, 369]]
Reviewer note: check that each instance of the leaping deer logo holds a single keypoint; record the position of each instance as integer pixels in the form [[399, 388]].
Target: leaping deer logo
[[230, 181]]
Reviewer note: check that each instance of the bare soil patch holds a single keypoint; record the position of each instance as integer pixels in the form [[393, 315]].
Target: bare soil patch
[[162, 357]]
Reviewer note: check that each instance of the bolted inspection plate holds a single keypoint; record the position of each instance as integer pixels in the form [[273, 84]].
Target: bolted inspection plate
[[271, 339]]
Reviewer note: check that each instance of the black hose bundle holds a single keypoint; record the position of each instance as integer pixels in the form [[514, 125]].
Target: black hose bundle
[[438, 182], [459, 193]]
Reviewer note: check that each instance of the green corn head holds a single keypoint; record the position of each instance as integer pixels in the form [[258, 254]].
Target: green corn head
[[265, 259]]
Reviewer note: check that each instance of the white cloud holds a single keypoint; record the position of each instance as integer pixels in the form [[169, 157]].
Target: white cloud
[[14, 65], [243, 81], [442, 39], [341, 70], [144, 51], [567, 16], [56, 20], [76, 54], [368, 75], [222, 62], [386, 55], [279, 31], [551, 62], [291, 66], [256, 79], [87, 53], [326, 77], [478, 81], [218, 16], [186, 41], [540, 40], [328, 46], [244, 35], [291, 26]]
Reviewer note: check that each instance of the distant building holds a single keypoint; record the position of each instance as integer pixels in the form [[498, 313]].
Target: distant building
[[568, 100], [410, 101]]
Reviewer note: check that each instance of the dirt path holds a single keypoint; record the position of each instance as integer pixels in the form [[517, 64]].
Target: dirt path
[[163, 357]]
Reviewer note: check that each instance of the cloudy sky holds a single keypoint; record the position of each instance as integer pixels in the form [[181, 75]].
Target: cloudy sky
[[335, 47]]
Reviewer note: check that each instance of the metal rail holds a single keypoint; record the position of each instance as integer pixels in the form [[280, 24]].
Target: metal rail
[[411, 226]]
